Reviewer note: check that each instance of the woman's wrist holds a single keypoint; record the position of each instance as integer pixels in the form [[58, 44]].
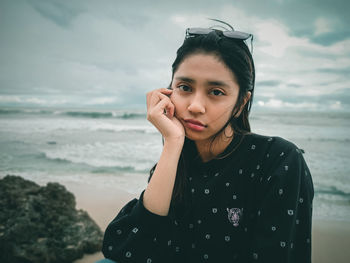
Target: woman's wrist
[[177, 141], [174, 143]]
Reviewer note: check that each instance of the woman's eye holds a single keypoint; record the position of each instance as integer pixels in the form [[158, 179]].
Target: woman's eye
[[217, 92], [184, 88]]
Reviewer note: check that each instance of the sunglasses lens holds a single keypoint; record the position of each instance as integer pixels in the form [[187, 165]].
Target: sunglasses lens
[[199, 31], [190, 32], [236, 35], [230, 34]]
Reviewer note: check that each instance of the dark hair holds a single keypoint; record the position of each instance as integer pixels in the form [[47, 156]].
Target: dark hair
[[235, 54]]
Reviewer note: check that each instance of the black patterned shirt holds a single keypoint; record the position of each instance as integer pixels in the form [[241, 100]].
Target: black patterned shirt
[[252, 205]]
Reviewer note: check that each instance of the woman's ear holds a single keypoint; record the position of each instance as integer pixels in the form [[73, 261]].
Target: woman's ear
[[245, 100]]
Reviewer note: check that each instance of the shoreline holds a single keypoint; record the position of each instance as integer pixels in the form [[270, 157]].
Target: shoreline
[[330, 238]]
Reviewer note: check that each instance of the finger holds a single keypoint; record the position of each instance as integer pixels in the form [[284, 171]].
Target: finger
[[153, 94], [170, 110], [165, 105], [158, 97], [148, 98], [154, 98], [166, 91]]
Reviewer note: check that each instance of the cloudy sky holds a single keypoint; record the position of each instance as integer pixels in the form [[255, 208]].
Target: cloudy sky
[[110, 53]]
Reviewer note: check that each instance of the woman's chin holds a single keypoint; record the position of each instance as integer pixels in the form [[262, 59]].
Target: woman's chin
[[194, 136]]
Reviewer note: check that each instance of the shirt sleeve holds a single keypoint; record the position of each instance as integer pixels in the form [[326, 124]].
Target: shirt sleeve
[[137, 235], [283, 217]]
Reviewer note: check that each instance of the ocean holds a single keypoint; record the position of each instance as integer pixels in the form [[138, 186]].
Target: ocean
[[118, 148]]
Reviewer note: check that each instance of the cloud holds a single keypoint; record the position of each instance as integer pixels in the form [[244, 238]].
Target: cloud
[[25, 100], [276, 39], [277, 104], [268, 83], [322, 26], [101, 101], [57, 11], [110, 53]]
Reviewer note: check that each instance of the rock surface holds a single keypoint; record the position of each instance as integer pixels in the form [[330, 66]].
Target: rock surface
[[41, 224]]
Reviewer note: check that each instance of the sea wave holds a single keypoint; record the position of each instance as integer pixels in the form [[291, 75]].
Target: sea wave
[[108, 114], [96, 169], [25, 111], [77, 113], [329, 139], [102, 156], [108, 127], [341, 191]]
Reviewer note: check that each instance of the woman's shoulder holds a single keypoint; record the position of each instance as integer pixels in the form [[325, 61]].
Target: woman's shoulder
[[272, 143], [279, 156]]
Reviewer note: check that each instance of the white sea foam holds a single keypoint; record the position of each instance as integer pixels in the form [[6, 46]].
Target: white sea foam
[[139, 157]]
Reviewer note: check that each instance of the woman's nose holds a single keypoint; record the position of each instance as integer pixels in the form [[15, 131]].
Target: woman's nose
[[197, 105]]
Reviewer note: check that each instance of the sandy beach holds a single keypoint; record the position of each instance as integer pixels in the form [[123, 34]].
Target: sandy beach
[[330, 239]]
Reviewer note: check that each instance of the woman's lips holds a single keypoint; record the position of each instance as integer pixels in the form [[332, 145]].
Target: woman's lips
[[195, 125]]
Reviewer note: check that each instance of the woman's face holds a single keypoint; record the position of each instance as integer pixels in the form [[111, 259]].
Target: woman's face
[[204, 94]]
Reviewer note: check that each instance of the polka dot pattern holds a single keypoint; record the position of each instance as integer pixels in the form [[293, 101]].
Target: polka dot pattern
[[260, 195]]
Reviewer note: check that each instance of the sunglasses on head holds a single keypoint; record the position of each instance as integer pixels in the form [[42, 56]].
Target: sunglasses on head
[[196, 31]]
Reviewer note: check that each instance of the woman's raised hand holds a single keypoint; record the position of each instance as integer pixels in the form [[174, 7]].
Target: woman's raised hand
[[161, 113]]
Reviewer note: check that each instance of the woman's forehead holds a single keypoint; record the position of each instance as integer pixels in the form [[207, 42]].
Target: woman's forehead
[[204, 67]]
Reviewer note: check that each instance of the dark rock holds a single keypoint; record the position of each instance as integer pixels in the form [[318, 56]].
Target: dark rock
[[41, 224]]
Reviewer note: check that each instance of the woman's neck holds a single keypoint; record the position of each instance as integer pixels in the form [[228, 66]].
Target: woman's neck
[[209, 150]]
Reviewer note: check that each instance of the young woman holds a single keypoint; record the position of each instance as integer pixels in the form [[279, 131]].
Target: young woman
[[219, 193]]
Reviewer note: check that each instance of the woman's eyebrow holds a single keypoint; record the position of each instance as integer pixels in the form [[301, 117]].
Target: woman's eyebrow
[[208, 83], [186, 79], [218, 83]]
